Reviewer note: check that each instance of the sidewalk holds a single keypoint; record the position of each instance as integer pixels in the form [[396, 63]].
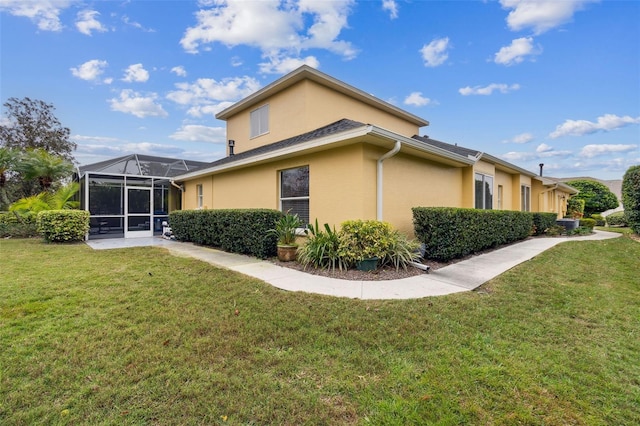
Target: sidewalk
[[458, 277]]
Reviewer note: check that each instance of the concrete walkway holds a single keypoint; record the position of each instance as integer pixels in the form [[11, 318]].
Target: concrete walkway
[[458, 277]]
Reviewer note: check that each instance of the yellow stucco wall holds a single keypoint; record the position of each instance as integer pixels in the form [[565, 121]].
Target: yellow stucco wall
[[304, 107], [342, 186]]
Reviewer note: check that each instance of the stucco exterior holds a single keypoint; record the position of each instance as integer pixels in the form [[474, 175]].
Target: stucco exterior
[[341, 134]]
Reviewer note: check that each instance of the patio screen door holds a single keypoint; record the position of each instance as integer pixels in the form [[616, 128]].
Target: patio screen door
[[138, 217]]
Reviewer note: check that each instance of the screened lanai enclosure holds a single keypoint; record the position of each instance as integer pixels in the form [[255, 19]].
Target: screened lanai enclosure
[[131, 196]]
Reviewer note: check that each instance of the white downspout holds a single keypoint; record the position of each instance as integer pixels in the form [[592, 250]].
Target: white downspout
[[389, 154]]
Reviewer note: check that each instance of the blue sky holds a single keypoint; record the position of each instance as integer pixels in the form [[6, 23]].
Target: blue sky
[[554, 82]]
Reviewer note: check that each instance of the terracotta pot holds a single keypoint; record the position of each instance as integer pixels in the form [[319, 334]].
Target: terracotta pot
[[287, 253]]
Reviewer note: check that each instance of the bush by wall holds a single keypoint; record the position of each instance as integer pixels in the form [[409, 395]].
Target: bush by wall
[[12, 226], [599, 219], [617, 219], [60, 226], [542, 222], [588, 223], [242, 231], [631, 197], [450, 233]]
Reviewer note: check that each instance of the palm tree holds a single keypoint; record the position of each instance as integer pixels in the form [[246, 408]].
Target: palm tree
[[48, 168], [62, 199]]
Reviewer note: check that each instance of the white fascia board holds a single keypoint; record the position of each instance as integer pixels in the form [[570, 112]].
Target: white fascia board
[[315, 143], [328, 140], [421, 146], [507, 164]]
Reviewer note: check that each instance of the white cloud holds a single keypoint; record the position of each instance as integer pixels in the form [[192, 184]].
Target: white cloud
[[541, 15], [521, 138], [137, 25], [134, 103], [87, 22], [416, 99], [435, 53], [542, 151], [516, 51], [280, 65], [44, 13], [488, 90], [604, 123], [208, 96], [199, 133], [179, 71], [543, 147], [591, 151], [390, 6], [90, 70], [135, 73], [150, 148], [272, 26]]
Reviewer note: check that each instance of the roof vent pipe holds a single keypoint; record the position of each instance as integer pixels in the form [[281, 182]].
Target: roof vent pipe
[[389, 154], [232, 143], [541, 166]]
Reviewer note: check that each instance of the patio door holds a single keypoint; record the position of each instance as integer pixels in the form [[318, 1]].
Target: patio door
[[138, 207]]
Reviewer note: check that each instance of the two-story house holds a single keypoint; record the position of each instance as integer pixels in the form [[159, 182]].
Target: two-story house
[[326, 150]]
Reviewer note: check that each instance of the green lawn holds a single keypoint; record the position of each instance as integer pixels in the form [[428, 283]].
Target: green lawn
[[137, 336]]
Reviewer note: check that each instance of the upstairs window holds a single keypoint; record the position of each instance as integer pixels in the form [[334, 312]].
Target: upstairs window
[[294, 192], [484, 191], [259, 121]]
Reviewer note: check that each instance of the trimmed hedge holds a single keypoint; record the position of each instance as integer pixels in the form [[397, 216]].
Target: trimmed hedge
[[542, 222], [11, 226], [242, 231], [60, 226], [588, 223], [617, 219], [631, 197], [450, 233]]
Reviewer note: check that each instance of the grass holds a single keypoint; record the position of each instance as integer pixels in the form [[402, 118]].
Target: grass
[[137, 336]]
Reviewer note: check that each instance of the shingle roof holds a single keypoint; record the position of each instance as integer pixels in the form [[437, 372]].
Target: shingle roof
[[456, 149], [330, 129]]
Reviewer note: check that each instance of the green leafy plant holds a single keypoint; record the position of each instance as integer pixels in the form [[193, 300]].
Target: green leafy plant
[[588, 223], [617, 219], [599, 219], [364, 239], [575, 207], [322, 249], [285, 229], [401, 251], [631, 197], [597, 196], [63, 225]]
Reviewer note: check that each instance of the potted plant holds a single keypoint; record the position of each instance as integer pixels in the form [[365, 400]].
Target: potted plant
[[285, 231]]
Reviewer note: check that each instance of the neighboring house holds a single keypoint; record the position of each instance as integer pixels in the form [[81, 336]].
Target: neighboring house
[[321, 148]]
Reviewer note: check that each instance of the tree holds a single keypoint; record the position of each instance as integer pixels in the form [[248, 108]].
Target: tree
[[597, 197], [631, 197], [8, 160], [32, 125], [45, 167], [62, 199]]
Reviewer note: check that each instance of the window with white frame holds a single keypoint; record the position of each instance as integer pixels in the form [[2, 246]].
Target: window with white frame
[[484, 191], [294, 192], [199, 197], [525, 198], [259, 119]]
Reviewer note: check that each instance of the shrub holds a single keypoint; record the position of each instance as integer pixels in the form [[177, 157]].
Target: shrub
[[617, 219], [63, 225], [364, 239], [597, 196], [322, 249], [12, 225], [631, 197], [357, 240], [450, 233], [242, 231], [575, 207], [588, 223], [599, 219], [542, 222], [556, 230]]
